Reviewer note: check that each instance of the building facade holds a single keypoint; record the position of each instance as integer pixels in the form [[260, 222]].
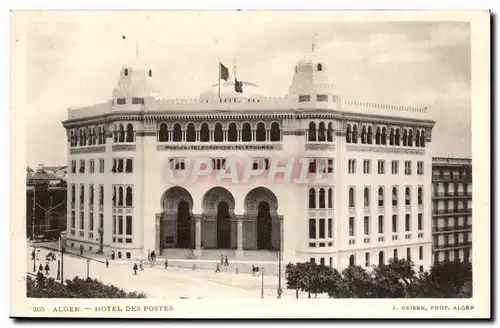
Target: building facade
[[452, 209], [375, 204]]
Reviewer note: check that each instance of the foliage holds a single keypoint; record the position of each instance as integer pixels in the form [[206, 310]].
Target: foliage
[[43, 287], [396, 279]]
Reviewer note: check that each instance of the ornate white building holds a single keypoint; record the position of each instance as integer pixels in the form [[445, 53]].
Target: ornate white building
[[376, 205]]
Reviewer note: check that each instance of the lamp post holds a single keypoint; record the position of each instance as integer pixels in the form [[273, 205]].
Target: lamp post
[[101, 232], [34, 259], [59, 262], [262, 285], [88, 263], [280, 291]]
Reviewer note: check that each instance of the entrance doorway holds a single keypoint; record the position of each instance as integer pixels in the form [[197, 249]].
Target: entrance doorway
[[223, 226], [183, 225], [264, 227]]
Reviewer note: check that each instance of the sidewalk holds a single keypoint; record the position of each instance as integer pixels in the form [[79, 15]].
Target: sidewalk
[[53, 246]]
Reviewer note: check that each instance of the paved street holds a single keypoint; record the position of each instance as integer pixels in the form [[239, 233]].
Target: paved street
[[172, 283]]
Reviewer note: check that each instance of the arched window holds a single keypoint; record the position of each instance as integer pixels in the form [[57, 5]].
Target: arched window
[[177, 133], [114, 196], [91, 195], [410, 138], [73, 194], [394, 196], [422, 139], [312, 132], [354, 134], [381, 257], [126, 72], [377, 136], [380, 196], [204, 133], [348, 134], [163, 134], [128, 198], [397, 137], [246, 132], [71, 138], [84, 137], [232, 132], [82, 194], [321, 132], [260, 134], [417, 139], [218, 133], [351, 197], [366, 196], [115, 133], [391, 137], [420, 196], [101, 195], [363, 134], [322, 198], [405, 137], [120, 196], [275, 132], [370, 135], [407, 196], [99, 135], [329, 133], [330, 198], [312, 198], [150, 73], [121, 133], [190, 133], [384, 136], [320, 67], [351, 260], [130, 133]]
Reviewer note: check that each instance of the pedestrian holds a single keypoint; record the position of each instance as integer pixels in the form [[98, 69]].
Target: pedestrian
[[33, 255], [253, 269], [217, 269], [153, 258], [166, 264], [107, 263], [222, 259], [40, 267], [47, 268], [226, 262], [135, 268], [149, 256], [81, 249], [140, 266]]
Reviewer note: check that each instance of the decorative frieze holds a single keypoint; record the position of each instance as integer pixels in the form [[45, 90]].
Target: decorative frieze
[[87, 150], [320, 146], [294, 133], [385, 149], [145, 133], [219, 147], [123, 147]]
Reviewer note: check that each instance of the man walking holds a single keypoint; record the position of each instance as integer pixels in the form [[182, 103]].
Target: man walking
[[166, 264], [217, 269], [226, 262], [47, 268], [135, 268], [107, 263]]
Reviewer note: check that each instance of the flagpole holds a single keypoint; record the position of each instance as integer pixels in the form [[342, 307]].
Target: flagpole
[[219, 80]]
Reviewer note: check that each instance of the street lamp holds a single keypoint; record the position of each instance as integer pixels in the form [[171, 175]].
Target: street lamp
[[88, 263], [34, 259], [280, 291], [101, 233], [262, 286]]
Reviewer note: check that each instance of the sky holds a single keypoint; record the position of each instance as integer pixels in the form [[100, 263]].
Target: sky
[[74, 58]]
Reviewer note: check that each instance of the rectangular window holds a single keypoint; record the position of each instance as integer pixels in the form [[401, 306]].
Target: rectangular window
[[101, 221], [82, 166], [420, 223], [421, 253], [395, 167], [113, 169], [101, 165], [312, 260], [407, 167], [260, 164], [218, 163], [352, 166], [138, 101], [394, 223], [321, 97], [128, 166], [91, 221], [367, 259], [82, 223], [121, 101], [366, 166], [421, 268], [330, 165], [408, 254], [420, 168], [395, 254], [129, 225], [312, 165], [177, 164], [367, 225], [381, 167], [304, 98], [91, 166], [73, 219], [312, 228], [407, 222], [321, 228], [330, 227], [351, 227], [380, 224], [114, 224], [120, 165], [120, 224], [73, 166]]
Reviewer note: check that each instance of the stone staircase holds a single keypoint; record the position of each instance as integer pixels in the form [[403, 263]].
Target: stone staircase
[[215, 255]]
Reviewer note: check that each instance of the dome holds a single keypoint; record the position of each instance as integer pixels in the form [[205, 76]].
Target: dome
[[250, 90]]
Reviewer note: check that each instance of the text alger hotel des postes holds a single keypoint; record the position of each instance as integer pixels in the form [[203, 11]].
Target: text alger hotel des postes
[[374, 205]]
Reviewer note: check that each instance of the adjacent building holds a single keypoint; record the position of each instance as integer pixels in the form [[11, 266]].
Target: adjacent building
[[376, 203], [452, 209]]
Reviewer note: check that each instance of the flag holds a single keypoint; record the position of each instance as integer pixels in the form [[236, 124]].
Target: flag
[[238, 86], [224, 72]]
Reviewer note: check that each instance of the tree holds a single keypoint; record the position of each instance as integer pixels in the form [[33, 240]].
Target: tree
[[356, 283]]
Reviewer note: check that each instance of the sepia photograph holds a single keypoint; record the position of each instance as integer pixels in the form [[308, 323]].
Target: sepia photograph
[[237, 164]]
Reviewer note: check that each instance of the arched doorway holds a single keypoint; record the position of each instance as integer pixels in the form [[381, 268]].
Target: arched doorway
[[223, 226], [183, 239], [264, 226]]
